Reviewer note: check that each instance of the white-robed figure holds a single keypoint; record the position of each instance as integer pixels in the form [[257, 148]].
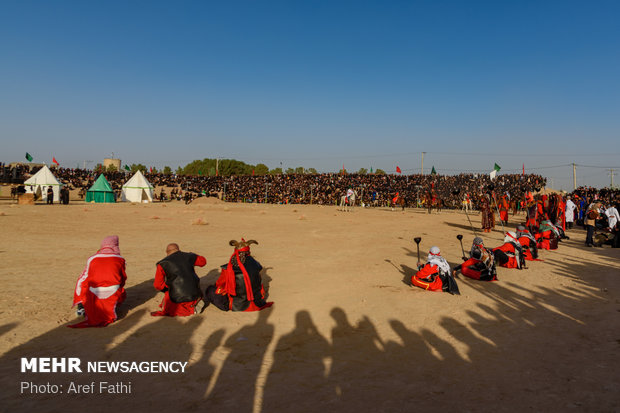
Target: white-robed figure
[[350, 195], [612, 216], [570, 213]]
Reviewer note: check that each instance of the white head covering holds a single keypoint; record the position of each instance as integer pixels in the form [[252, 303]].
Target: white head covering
[[511, 236], [435, 258]]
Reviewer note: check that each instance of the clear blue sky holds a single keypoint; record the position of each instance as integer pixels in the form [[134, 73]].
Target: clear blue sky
[[315, 84]]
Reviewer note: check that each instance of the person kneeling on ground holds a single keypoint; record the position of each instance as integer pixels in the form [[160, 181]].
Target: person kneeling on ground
[[548, 236], [480, 265], [100, 287], [528, 243], [435, 274], [510, 253], [240, 286], [177, 279]]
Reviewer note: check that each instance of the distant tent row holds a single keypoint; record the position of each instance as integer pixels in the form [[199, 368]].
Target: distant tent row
[[136, 189]]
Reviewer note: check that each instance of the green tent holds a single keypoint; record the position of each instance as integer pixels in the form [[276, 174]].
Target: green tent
[[101, 191]]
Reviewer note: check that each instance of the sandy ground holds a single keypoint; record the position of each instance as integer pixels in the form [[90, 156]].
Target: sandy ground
[[346, 333]]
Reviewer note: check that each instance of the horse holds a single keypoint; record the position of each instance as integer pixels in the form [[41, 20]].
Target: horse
[[401, 202], [431, 201], [347, 203]]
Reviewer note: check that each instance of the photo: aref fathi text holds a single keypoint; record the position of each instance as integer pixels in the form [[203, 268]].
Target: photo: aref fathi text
[[101, 387]]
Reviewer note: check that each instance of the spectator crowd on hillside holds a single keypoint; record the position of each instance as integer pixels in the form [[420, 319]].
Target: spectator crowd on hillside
[[321, 189]]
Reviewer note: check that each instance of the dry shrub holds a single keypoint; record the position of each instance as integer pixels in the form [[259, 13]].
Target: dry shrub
[[154, 217]]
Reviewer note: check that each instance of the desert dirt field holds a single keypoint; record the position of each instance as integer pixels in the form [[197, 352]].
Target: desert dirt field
[[347, 333]]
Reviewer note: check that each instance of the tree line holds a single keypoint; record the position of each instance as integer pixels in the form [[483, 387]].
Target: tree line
[[222, 167]]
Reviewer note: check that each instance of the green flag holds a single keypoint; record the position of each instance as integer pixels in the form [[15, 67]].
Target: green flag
[[127, 168], [29, 157], [433, 171], [371, 169], [496, 169], [200, 173]]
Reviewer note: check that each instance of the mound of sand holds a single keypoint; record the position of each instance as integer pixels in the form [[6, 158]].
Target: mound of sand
[[207, 200]]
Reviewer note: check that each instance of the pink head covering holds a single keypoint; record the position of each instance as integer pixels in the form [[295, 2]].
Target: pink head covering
[[109, 245]]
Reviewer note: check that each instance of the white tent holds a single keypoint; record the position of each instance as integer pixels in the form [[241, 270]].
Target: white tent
[[39, 183], [137, 189]]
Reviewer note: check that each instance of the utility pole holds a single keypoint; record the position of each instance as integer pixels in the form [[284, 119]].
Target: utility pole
[[574, 177], [217, 166], [422, 168], [611, 174]]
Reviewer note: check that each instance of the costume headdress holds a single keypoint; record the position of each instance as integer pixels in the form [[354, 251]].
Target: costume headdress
[[228, 282]]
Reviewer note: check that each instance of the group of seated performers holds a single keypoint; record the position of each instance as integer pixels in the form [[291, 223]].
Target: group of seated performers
[[100, 287], [518, 247]]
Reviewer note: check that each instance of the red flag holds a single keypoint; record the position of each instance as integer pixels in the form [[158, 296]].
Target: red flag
[[398, 169], [252, 172], [55, 161], [343, 169], [151, 169], [523, 169]]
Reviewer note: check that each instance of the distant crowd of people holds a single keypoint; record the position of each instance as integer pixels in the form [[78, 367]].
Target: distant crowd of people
[[322, 189], [468, 191]]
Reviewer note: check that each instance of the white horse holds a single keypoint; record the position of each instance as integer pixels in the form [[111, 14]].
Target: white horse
[[348, 202]]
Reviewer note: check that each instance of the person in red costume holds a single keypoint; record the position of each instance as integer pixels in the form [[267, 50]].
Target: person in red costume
[[547, 236], [240, 286], [528, 242], [510, 253], [480, 265], [504, 206], [435, 275], [176, 278], [99, 288]]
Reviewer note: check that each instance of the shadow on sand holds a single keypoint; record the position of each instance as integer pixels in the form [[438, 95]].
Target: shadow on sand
[[520, 347]]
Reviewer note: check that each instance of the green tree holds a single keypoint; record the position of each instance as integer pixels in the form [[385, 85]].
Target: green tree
[[290, 171], [275, 171], [300, 170], [137, 167], [167, 170], [111, 168], [179, 171], [380, 172], [312, 171], [261, 169], [362, 171]]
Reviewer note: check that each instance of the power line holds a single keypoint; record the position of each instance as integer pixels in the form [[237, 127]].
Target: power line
[[600, 167]]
